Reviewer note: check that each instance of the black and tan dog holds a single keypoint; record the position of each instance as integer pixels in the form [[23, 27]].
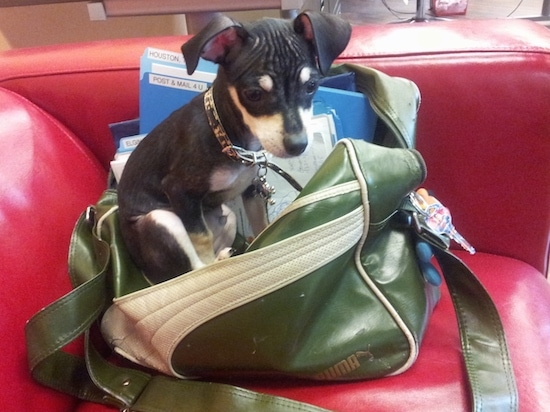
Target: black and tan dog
[[173, 188]]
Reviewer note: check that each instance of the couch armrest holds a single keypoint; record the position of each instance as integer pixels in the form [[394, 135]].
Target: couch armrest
[[47, 177]]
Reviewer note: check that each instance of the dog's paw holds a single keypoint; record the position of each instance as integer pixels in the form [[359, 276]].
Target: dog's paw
[[225, 253]]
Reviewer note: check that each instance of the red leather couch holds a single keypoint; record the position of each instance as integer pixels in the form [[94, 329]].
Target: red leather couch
[[483, 128]]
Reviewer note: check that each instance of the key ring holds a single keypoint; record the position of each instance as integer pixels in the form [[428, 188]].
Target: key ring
[[437, 217]]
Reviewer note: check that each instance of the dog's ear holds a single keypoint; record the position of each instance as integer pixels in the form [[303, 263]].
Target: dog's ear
[[328, 33], [213, 42]]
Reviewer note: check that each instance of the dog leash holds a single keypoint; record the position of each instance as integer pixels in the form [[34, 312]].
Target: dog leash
[[239, 154]]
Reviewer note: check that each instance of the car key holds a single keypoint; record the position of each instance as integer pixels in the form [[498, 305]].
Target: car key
[[438, 217]]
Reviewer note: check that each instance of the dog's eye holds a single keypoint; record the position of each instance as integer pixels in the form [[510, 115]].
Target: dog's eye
[[253, 95], [311, 87]]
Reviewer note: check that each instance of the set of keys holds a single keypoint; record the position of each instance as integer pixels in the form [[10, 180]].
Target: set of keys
[[437, 217]]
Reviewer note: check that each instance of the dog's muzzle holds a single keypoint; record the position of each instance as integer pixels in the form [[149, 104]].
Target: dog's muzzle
[[295, 144]]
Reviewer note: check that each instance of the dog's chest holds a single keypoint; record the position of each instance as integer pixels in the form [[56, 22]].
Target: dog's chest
[[231, 181]]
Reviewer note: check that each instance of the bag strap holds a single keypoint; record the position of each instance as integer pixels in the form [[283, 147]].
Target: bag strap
[[484, 348], [95, 379]]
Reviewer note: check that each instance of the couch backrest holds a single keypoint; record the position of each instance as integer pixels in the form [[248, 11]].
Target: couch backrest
[[484, 121], [86, 86]]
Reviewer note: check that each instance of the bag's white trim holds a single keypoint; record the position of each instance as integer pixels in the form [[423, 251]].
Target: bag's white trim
[[413, 344], [101, 220], [146, 326]]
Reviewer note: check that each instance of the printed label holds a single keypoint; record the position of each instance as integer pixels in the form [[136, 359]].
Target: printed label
[[182, 84], [165, 56]]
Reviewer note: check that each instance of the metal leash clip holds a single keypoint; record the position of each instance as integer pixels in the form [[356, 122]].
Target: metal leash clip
[[248, 157], [260, 159], [437, 217]]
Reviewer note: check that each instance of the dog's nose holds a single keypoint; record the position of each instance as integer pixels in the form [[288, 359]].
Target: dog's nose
[[295, 144]]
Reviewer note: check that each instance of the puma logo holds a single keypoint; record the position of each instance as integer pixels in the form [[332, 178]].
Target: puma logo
[[345, 366]]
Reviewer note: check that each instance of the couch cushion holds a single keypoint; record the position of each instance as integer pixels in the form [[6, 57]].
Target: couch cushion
[[436, 381], [45, 172]]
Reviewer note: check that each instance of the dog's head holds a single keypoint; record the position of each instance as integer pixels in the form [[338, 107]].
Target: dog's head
[[272, 69]]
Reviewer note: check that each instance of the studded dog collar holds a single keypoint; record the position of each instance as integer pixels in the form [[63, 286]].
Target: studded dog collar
[[237, 153], [244, 156]]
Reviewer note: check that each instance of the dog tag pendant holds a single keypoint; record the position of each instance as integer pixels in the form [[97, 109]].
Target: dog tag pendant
[[438, 218], [264, 189]]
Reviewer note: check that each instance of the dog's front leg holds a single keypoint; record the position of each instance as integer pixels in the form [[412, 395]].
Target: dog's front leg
[[186, 203], [223, 225], [256, 211], [199, 233]]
